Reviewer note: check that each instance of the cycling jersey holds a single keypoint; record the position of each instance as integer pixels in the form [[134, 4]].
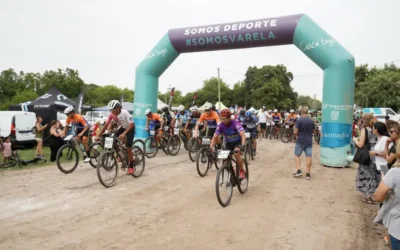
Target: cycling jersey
[[168, 117], [183, 117], [250, 122], [276, 117], [123, 119], [193, 118], [241, 119], [292, 118], [212, 119], [78, 121], [230, 132], [154, 121]]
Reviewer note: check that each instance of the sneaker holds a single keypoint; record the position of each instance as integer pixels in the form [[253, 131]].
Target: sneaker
[[86, 160], [298, 174], [242, 174], [308, 176], [130, 171]]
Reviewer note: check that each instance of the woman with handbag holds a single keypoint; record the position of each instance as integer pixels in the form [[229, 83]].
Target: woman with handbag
[[366, 178]]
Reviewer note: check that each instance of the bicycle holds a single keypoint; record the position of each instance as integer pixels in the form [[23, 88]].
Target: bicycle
[[70, 147], [154, 143], [174, 142], [274, 131], [114, 150], [287, 134], [206, 156], [194, 145], [229, 176], [15, 159], [249, 149]]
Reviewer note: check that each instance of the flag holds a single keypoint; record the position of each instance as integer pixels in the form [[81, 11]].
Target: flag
[[79, 104], [194, 99], [171, 94]]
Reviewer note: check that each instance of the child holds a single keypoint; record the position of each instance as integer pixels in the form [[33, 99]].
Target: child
[[7, 149]]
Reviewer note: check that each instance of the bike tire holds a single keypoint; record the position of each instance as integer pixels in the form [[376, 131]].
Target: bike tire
[[193, 148], [171, 144], [243, 187], [164, 145], [104, 158], [199, 156], [11, 163], [271, 133], [94, 153], [139, 154], [222, 172], [247, 152], [140, 144], [253, 157], [71, 150], [148, 143], [285, 136]]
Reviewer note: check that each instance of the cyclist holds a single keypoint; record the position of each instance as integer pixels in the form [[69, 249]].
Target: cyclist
[[211, 118], [153, 120], [242, 115], [291, 118], [192, 121], [167, 118], [234, 137], [182, 116], [126, 130], [81, 129], [251, 124]]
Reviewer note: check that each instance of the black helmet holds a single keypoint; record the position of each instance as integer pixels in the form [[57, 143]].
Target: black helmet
[[242, 112], [165, 109]]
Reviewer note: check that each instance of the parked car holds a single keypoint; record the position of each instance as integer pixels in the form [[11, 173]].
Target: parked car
[[94, 116], [20, 127]]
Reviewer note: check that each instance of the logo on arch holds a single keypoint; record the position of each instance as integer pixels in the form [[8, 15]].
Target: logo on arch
[[137, 111], [335, 115]]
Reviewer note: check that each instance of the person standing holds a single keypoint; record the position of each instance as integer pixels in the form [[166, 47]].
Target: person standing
[[262, 122], [304, 130]]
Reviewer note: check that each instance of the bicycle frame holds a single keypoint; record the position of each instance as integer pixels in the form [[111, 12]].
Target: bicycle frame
[[120, 150]]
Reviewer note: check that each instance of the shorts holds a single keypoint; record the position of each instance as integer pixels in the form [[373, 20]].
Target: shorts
[[211, 132], [277, 124], [191, 126], [253, 132], [129, 136], [156, 127], [86, 134], [298, 150], [263, 125], [232, 145]]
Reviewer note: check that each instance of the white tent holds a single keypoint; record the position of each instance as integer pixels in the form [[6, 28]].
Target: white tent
[[202, 107], [160, 104], [218, 107]]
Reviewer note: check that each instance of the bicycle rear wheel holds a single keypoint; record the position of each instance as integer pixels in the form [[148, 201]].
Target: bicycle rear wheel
[[65, 159], [151, 147], [140, 161], [223, 183], [243, 183], [94, 153], [107, 165]]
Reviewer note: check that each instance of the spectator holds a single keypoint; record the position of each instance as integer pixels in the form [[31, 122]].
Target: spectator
[[388, 192], [366, 178], [55, 141], [6, 147], [304, 130], [378, 152], [391, 144], [39, 136]]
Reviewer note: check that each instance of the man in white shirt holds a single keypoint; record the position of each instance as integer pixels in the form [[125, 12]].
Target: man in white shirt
[[262, 122]]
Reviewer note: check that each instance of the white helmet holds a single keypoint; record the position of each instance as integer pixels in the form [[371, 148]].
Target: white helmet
[[275, 110], [181, 108], [291, 111], [147, 111], [207, 106], [113, 104], [194, 108], [69, 110]]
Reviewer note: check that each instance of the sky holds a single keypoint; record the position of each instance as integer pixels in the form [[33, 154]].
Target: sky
[[105, 40]]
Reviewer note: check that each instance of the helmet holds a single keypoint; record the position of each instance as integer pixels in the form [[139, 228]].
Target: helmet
[[207, 106], [113, 104], [242, 112], [165, 109], [194, 108], [291, 111], [181, 108], [69, 110], [249, 113], [148, 111], [213, 107], [275, 110], [225, 113]]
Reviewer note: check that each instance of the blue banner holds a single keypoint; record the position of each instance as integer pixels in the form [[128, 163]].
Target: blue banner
[[336, 135]]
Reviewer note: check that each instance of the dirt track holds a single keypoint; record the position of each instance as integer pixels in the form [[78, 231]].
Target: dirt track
[[171, 207]]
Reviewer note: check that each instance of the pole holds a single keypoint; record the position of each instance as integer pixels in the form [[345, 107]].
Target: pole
[[219, 92]]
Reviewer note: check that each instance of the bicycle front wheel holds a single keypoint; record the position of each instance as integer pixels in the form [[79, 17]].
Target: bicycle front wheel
[[244, 183], [67, 159], [202, 162], [94, 153], [107, 169], [224, 186], [140, 161], [174, 145], [285, 135], [151, 147], [193, 148]]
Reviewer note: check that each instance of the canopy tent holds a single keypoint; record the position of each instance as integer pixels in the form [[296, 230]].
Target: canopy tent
[[202, 107], [220, 106], [47, 106]]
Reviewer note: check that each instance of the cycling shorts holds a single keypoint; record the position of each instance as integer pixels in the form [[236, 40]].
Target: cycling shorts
[[129, 136]]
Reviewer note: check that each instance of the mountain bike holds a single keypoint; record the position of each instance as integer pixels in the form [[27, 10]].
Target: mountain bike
[[154, 143], [249, 149], [287, 133], [69, 151], [15, 159], [274, 131], [114, 151], [227, 177], [174, 142], [205, 158], [194, 145]]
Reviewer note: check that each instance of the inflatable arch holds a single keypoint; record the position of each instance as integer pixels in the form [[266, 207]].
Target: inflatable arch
[[336, 62]]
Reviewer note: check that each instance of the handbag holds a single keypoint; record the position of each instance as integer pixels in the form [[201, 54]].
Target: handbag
[[362, 154]]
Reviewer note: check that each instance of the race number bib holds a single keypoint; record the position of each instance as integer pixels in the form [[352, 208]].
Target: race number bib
[[206, 141], [223, 154], [268, 124], [272, 123], [286, 126], [176, 131], [108, 144], [68, 137], [152, 132], [247, 135]]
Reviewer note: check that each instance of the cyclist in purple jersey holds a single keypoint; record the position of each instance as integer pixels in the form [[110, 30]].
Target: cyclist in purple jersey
[[234, 137]]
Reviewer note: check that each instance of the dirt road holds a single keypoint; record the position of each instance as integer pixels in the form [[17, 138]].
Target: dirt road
[[171, 207]]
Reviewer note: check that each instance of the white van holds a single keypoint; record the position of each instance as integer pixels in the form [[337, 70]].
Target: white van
[[19, 126], [380, 113]]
